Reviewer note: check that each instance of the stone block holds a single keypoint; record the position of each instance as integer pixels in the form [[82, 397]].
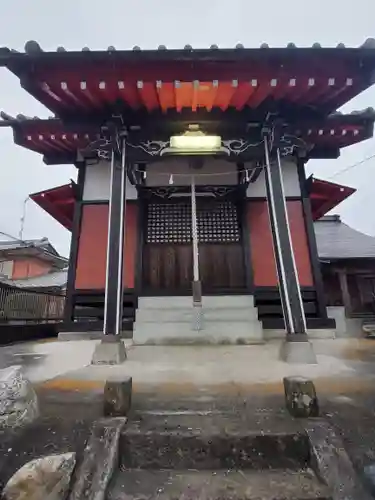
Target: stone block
[[117, 397], [45, 478], [332, 464], [300, 397], [18, 400], [100, 460], [110, 351], [297, 350]]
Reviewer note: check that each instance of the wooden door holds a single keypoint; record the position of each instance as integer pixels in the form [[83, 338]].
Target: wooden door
[[167, 254], [221, 258]]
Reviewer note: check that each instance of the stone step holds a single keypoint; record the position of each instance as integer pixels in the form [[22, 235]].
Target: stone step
[[212, 449], [213, 332], [210, 301], [186, 314], [299, 484]]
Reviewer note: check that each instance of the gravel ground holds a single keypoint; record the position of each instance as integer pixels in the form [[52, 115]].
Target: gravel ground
[[64, 425], [67, 417]]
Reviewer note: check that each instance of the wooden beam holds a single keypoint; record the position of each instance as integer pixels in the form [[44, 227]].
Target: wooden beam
[[343, 279]]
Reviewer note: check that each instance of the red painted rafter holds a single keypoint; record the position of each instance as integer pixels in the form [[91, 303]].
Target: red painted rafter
[[148, 95], [263, 90], [184, 95], [316, 88], [88, 90], [224, 94], [166, 95], [243, 93], [285, 87], [204, 94], [129, 93], [261, 66], [68, 94]]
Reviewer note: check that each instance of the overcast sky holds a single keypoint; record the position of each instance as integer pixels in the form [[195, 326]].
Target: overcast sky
[[149, 23]]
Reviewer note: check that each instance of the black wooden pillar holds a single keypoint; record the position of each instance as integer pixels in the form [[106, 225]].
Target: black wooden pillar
[[74, 245], [290, 293], [113, 300]]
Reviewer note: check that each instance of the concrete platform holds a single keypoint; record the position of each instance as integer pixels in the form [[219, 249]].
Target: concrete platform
[[213, 332], [186, 314], [201, 368], [231, 319], [210, 301], [67, 364]]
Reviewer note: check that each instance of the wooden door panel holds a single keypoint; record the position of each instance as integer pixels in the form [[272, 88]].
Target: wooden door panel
[[168, 258], [168, 267], [221, 266]]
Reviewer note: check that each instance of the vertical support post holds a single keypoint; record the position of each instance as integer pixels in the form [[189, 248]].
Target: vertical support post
[[313, 249], [74, 245], [113, 301], [290, 293], [196, 285], [346, 299]]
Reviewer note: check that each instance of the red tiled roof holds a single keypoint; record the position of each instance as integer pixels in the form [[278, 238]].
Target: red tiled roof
[[58, 202], [325, 196]]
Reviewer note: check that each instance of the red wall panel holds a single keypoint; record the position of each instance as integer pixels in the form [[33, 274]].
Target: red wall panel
[[92, 249], [300, 242], [261, 246], [131, 234]]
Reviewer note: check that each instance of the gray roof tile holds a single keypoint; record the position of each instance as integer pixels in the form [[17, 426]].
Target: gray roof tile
[[57, 279], [32, 47], [337, 240]]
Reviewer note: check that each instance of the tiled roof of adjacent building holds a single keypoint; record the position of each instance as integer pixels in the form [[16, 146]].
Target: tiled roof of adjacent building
[[56, 279], [42, 247], [337, 240], [41, 243]]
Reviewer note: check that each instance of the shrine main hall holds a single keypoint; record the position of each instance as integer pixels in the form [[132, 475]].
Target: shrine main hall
[[192, 216]]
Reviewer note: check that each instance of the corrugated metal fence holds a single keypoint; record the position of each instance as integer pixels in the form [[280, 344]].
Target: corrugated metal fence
[[17, 304]]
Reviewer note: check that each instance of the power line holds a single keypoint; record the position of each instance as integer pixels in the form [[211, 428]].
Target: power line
[[10, 236], [346, 169]]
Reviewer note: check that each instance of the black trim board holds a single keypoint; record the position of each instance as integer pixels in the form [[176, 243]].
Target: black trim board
[[264, 198], [311, 240], [117, 211], [104, 202], [312, 323], [74, 244], [95, 326], [141, 221], [11, 334], [246, 246], [283, 249]]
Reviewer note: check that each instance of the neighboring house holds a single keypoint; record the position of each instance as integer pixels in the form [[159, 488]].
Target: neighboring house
[[348, 265], [32, 264], [51, 282]]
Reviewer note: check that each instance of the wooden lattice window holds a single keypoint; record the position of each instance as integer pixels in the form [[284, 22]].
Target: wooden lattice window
[[171, 223]]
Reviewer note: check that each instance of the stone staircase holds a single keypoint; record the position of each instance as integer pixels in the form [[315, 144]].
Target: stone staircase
[[169, 320], [214, 454]]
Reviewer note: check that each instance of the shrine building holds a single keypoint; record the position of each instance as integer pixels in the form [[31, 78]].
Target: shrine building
[[192, 215]]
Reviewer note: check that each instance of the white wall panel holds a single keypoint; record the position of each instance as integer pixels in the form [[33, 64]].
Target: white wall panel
[[97, 183], [290, 178], [158, 174]]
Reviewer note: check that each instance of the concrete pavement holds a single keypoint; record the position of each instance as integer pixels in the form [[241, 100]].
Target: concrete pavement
[[64, 364]]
